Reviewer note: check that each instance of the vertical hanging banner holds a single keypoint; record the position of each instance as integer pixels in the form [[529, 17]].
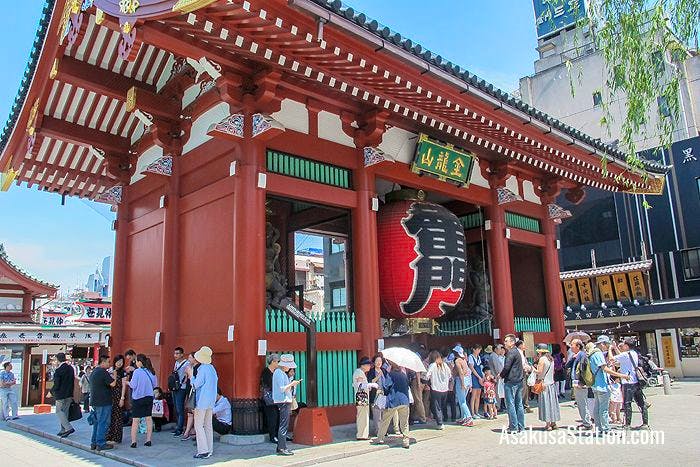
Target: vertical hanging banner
[[621, 288], [667, 349], [605, 288], [584, 290], [637, 283], [571, 292]]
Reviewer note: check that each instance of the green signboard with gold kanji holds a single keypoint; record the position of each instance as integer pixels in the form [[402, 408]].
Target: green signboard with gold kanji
[[444, 161]]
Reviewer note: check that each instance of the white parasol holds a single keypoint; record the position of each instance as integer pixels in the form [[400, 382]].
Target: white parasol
[[405, 358], [577, 335]]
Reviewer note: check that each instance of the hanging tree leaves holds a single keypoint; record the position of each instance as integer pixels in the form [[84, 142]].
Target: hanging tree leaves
[[644, 44]]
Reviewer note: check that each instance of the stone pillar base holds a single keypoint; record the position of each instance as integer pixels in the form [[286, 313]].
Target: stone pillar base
[[248, 419], [243, 440]]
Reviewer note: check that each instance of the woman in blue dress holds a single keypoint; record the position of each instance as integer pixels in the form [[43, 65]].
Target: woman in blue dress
[[477, 369]]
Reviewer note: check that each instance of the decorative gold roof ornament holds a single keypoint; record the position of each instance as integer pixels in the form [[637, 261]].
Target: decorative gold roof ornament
[[99, 16], [128, 7], [72, 7], [54, 69], [187, 6], [31, 121]]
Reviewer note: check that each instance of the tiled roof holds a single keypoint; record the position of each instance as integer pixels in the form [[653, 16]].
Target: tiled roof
[[4, 258], [605, 270], [28, 74], [385, 33]]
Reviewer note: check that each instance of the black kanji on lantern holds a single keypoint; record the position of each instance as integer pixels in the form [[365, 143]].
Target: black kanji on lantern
[[441, 262]]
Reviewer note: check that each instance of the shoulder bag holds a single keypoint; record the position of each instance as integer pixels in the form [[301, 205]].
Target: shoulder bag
[[642, 376], [538, 387]]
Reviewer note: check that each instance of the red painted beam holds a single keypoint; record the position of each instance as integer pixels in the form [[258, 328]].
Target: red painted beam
[[309, 191], [400, 173], [83, 136], [99, 80]]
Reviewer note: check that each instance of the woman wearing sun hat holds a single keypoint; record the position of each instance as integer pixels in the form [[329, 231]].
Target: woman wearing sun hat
[[205, 384], [548, 401], [362, 387], [282, 396]]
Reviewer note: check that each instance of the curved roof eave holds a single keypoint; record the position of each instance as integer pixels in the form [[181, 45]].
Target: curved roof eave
[[21, 97], [15, 273], [386, 34]]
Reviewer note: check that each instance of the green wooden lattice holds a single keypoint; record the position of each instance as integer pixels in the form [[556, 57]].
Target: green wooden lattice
[[518, 221], [473, 220], [523, 324], [306, 169]]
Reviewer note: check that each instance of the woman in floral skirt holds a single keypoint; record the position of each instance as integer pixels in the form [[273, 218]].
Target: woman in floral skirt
[[119, 400]]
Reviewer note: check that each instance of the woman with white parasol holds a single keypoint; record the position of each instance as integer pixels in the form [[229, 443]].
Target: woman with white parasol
[[396, 389]]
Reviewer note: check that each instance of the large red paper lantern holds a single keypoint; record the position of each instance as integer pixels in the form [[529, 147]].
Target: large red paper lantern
[[422, 265]]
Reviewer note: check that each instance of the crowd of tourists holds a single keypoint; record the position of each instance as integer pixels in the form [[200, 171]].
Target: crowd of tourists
[[458, 385], [124, 392], [462, 387]]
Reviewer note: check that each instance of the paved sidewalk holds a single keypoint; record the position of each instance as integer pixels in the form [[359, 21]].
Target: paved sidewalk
[[676, 414], [170, 451]]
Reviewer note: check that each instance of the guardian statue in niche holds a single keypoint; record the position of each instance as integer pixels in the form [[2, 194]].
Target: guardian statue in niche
[[275, 281], [475, 303]]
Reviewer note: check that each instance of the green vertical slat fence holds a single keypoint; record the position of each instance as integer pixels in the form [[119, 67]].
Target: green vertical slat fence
[[330, 321], [335, 368]]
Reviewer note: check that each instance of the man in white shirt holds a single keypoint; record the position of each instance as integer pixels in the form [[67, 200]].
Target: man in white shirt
[[628, 359], [527, 369], [221, 421]]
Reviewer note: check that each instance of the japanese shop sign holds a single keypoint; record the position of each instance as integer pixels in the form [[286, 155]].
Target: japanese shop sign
[[49, 336], [605, 289]]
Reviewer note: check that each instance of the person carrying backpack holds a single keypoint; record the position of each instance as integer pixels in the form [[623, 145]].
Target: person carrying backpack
[[632, 364], [601, 384], [579, 369], [177, 385]]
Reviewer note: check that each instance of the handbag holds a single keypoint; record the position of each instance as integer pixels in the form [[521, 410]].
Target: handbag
[[190, 400], [92, 418], [157, 410], [74, 412], [295, 404], [361, 398], [538, 387], [267, 396], [532, 378], [380, 401]]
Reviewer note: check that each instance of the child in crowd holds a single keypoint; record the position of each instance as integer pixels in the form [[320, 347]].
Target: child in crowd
[[490, 394], [615, 400], [158, 402]]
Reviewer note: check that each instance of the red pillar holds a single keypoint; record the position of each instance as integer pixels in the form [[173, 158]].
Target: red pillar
[[499, 265], [95, 354], [365, 262], [170, 273], [552, 283], [116, 337], [248, 282]]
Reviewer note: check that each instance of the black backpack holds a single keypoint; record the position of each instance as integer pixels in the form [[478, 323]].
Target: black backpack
[[174, 383]]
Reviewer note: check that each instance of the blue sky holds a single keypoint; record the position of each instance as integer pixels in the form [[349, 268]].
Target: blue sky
[[63, 244]]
